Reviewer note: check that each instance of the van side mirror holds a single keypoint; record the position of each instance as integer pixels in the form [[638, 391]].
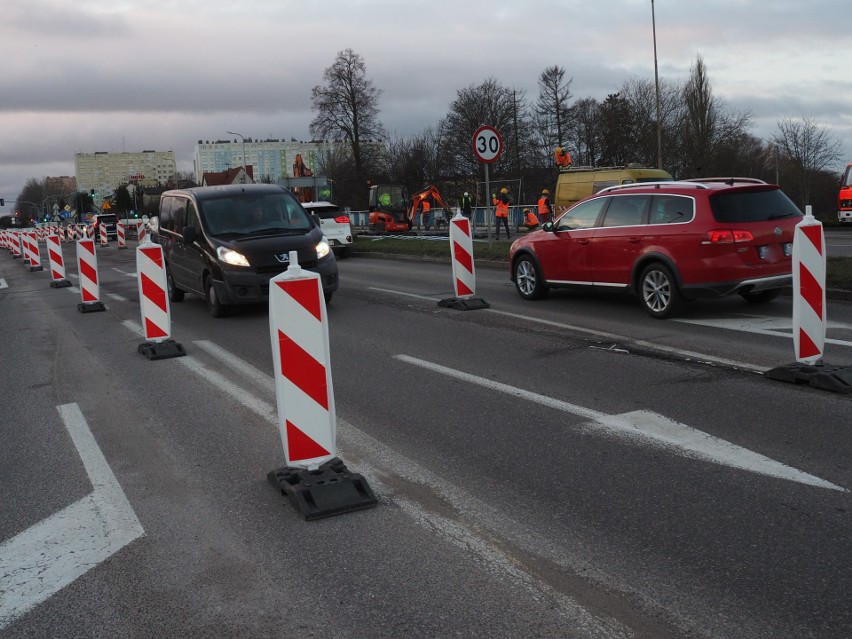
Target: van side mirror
[[190, 234]]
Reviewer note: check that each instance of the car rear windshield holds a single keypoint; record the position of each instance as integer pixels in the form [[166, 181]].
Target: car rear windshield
[[752, 206], [325, 212], [108, 219]]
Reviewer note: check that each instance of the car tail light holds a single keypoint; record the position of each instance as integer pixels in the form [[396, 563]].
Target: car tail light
[[727, 236], [341, 219]]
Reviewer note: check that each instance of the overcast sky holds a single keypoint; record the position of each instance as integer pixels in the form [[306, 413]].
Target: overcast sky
[[114, 75]]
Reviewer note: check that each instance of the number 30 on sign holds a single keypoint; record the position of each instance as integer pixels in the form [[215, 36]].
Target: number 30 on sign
[[487, 144]]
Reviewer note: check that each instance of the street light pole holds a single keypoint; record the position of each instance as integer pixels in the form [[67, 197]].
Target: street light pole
[[657, 84], [245, 170]]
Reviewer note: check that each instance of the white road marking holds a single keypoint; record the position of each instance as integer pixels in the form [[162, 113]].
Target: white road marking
[[3, 283], [669, 350], [775, 326], [42, 560], [117, 270], [116, 297], [651, 428]]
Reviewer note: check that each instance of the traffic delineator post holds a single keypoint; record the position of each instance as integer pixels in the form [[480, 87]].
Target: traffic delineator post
[[809, 314], [316, 481], [57, 264], [87, 268], [102, 232], [464, 269], [154, 304], [17, 245], [119, 234], [33, 255]]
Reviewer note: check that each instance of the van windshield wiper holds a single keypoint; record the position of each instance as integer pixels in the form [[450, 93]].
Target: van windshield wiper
[[277, 230], [229, 234]]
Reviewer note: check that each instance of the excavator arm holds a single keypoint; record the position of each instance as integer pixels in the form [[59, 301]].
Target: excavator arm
[[418, 198]]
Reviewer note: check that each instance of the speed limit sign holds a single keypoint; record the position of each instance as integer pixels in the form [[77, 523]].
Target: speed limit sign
[[487, 144]]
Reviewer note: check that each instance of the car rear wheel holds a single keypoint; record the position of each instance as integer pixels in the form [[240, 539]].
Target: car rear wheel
[[528, 279], [658, 291], [214, 304], [760, 297]]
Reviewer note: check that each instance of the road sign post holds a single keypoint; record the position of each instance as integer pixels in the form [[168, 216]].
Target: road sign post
[[487, 147]]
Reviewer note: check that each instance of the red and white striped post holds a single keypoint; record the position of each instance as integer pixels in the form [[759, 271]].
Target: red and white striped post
[[102, 231], [17, 244], [119, 233], [464, 270], [140, 231], [154, 304], [33, 255], [87, 268], [57, 264], [809, 319], [314, 478]]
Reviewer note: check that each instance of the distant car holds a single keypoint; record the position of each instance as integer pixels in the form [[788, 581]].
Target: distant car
[[668, 242], [335, 225], [107, 219]]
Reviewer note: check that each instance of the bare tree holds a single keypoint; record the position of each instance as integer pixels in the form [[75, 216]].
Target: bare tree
[[347, 107], [552, 111], [585, 132], [809, 147]]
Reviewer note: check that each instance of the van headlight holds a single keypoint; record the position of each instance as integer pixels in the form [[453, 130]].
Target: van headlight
[[323, 248], [230, 256]]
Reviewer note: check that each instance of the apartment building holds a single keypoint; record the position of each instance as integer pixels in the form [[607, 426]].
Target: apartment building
[[104, 172], [269, 159]]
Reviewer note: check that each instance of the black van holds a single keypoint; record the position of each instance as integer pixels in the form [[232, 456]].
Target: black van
[[226, 242]]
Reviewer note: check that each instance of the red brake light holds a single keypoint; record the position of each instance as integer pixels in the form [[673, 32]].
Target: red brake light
[[725, 236], [341, 219]]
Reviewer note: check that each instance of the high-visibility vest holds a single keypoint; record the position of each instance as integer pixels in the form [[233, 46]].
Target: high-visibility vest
[[544, 206], [502, 204], [530, 219]]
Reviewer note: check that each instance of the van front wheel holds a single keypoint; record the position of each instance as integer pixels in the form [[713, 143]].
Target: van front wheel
[[214, 304]]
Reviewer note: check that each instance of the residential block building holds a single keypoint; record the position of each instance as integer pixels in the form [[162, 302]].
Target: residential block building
[[104, 172], [269, 159]]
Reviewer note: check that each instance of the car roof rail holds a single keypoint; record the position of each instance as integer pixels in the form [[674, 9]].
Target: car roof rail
[[651, 185], [727, 180]]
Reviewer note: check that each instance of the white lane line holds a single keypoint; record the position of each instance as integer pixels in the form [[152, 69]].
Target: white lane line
[[3, 283], [649, 427], [777, 327], [42, 560], [690, 355], [117, 270], [74, 275], [116, 297], [263, 380]]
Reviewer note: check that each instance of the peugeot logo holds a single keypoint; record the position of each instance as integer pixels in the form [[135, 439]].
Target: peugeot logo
[[284, 258], [778, 231]]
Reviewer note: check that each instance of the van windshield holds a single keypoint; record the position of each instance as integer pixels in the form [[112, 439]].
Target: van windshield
[[250, 214]]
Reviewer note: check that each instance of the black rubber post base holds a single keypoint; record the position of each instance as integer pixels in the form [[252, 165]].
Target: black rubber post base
[[36, 268], [464, 303], [91, 307], [161, 350], [329, 490], [59, 283], [837, 379]]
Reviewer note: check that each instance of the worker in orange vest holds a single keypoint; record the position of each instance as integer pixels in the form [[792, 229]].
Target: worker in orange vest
[[562, 157], [530, 220], [502, 203], [425, 209], [545, 209]]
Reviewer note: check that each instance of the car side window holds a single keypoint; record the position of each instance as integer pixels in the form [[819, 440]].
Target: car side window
[[582, 216], [191, 216], [670, 209], [626, 210], [179, 214], [166, 219]]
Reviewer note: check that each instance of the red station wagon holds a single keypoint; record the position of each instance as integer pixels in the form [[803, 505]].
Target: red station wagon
[[668, 242]]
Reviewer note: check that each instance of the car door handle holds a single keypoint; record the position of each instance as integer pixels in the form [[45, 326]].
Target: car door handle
[[635, 240], [583, 241]]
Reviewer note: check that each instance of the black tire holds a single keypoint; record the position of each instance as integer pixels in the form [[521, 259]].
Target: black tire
[[760, 297], [214, 304], [658, 291], [175, 294], [528, 279], [327, 295]]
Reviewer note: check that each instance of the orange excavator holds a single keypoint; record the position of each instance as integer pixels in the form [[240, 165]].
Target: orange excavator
[[392, 211]]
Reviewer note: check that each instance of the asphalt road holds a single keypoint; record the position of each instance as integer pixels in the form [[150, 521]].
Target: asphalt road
[[838, 243], [564, 468]]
